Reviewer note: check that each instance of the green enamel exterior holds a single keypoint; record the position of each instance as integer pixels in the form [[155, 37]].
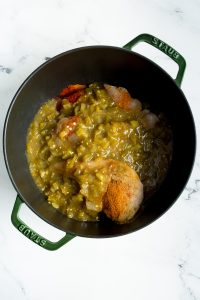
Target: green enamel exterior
[[168, 50], [31, 234]]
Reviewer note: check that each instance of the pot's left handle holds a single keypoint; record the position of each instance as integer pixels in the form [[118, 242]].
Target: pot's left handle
[[31, 234]]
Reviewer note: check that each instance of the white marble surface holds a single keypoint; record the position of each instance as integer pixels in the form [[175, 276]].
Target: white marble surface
[[161, 261]]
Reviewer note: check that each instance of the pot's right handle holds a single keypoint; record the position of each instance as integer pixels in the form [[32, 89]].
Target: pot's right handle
[[168, 50], [31, 234]]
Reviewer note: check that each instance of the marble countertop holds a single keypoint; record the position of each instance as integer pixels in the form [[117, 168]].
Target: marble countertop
[[162, 261]]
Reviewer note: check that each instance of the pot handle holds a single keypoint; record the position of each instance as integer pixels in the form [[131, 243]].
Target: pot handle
[[162, 46], [31, 234]]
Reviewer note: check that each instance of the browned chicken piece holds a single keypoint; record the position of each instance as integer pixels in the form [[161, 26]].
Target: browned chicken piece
[[66, 126], [149, 119], [122, 98], [124, 191]]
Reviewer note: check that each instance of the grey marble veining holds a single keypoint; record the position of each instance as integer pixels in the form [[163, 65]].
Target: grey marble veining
[[162, 261]]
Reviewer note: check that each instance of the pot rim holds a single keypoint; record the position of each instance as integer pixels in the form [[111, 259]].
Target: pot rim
[[34, 72]]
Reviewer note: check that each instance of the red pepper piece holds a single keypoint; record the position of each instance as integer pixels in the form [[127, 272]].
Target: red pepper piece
[[74, 97], [71, 89]]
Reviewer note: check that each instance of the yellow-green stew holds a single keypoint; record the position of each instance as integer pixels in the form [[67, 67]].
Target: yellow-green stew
[[95, 149]]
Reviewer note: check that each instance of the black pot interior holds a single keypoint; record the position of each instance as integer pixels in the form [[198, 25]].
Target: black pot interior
[[146, 81]]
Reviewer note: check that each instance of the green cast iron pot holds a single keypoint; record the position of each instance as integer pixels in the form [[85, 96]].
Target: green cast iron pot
[[116, 66]]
